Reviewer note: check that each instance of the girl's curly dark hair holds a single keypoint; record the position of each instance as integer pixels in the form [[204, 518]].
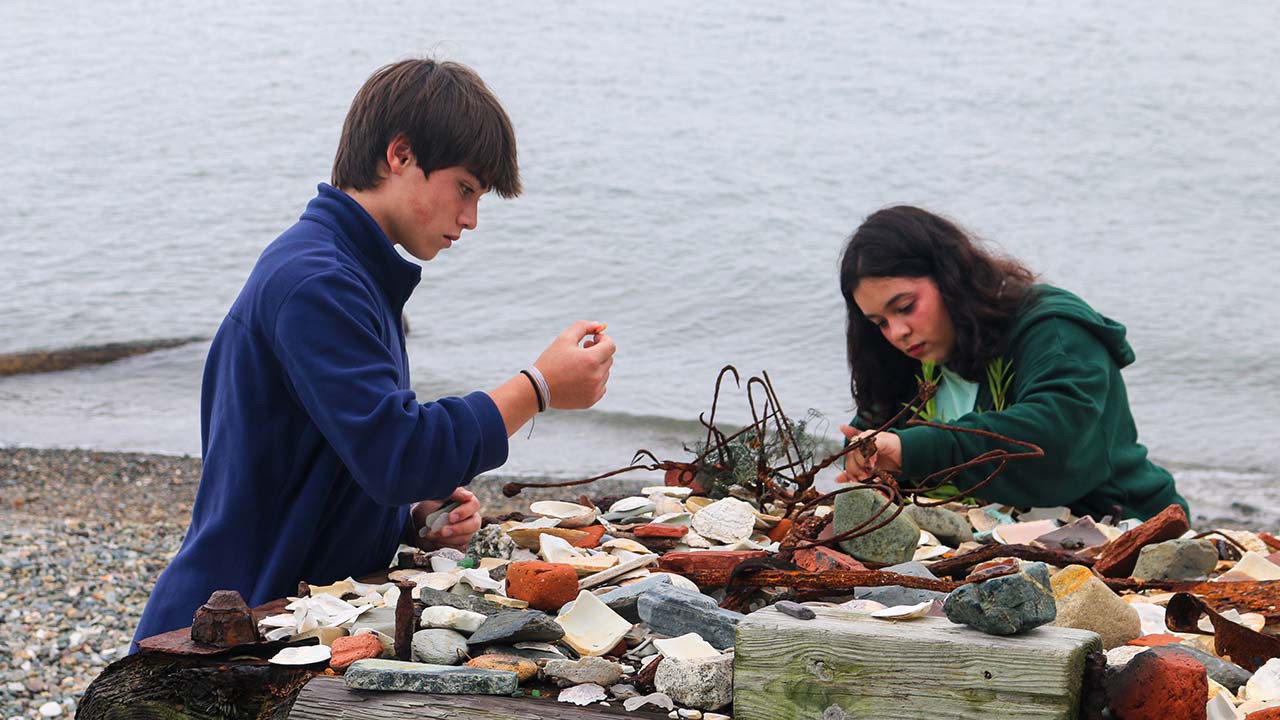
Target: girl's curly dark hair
[[983, 293]]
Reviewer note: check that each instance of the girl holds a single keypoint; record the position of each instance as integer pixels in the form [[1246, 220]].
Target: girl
[[1030, 362]]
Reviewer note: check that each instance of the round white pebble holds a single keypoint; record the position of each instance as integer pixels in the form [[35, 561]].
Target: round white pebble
[[50, 709]]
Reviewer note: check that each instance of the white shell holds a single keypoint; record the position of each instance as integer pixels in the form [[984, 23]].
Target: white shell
[[904, 612], [305, 655], [590, 627], [570, 515], [930, 552], [686, 647], [674, 491], [556, 549], [583, 694]]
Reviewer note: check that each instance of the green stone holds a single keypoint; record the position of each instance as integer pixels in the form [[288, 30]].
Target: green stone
[[423, 678], [892, 544], [467, 563]]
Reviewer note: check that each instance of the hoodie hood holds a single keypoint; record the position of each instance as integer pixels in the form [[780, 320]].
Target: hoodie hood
[[1047, 301]]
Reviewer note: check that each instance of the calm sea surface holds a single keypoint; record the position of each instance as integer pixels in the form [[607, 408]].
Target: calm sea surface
[[691, 173]]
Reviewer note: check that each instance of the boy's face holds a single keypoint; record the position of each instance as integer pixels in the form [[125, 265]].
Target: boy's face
[[428, 214]]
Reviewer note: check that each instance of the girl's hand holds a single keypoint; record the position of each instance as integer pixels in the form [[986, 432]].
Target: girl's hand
[[463, 521], [887, 455]]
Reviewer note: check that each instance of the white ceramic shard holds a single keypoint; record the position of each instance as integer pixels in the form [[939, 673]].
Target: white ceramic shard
[[674, 491], [628, 506], [280, 633], [443, 564], [583, 694], [570, 515], [729, 520], [679, 581], [620, 545], [436, 581], [277, 621], [904, 612], [360, 588], [337, 589], [1264, 686], [1220, 708], [535, 524], [305, 655], [930, 552], [590, 627], [822, 511], [686, 647], [480, 580], [665, 505], [555, 549], [443, 616], [1252, 566], [591, 564], [680, 518]]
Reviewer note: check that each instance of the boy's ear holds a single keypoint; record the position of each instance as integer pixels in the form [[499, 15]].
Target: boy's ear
[[399, 155]]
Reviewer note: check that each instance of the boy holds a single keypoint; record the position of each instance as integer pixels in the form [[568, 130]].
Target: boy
[[318, 459]]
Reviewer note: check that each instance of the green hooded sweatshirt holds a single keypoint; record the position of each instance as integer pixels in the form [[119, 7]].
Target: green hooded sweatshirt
[[1067, 396]]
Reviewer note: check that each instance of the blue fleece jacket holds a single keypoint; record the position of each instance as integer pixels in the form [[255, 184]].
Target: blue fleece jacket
[[314, 444]]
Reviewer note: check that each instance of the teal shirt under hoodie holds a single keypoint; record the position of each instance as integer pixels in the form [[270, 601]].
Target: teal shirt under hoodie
[[1067, 396]]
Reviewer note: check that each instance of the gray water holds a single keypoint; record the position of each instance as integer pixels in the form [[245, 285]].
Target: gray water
[[691, 173]]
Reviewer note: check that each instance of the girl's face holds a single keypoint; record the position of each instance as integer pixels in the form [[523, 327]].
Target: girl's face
[[910, 314]]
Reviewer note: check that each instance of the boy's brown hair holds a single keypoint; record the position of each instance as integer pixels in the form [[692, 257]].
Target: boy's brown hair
[[448, 116]]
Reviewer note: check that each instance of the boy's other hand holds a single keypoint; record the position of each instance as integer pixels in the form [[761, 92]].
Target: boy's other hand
[[576, 365], [464, 520]]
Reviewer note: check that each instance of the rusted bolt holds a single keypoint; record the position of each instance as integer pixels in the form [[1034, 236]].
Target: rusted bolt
[[224, 621]]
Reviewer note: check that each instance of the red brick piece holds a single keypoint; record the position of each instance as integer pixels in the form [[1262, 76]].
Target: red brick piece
[[1155, 640], [661, 531], [821, 559], [592, 538], [1120, 555], [1159, 685], [545, 586], [351, 648], [683, 562], [1271, 713]]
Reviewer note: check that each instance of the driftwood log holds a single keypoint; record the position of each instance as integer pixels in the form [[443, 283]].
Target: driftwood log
[[156, 686]]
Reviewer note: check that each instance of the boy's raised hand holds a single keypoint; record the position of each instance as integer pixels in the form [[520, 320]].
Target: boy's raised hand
[[577, 371]]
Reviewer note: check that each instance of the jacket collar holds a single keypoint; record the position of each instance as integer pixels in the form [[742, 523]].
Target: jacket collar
[[361, 236]]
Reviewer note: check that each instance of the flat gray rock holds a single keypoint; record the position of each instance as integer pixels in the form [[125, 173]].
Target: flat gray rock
[[893, 543], [670, 611], [421, 678], [891, 595], [513, 626], [623, 600], [431, 597], [566, 673]]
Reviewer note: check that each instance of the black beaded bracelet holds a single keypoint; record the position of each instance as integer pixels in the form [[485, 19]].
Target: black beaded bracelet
[[537, 392]]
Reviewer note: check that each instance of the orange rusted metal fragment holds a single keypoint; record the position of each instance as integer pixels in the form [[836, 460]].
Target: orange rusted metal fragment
[[834, 580], [1247, 648], [1257, 596]]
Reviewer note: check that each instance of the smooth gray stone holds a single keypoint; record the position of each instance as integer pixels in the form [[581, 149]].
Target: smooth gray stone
[[1005, 605], [566, 673], [1226, 674], [893, 543], [422, 678], [431, 597], [670, 611], [623, 600], [892, 595], [439, 646], [795, 610], [513, 626], [950, 527], [1176, 560]]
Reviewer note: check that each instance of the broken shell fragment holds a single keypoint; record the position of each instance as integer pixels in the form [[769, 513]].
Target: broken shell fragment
[[904, 612], [570, 515], [305, 655]]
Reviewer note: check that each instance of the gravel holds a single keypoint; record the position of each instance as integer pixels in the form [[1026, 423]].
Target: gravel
[[83, 536]]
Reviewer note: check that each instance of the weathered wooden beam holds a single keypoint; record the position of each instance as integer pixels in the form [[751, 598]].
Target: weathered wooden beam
[[328, 698], [845, 665], [154, 686]]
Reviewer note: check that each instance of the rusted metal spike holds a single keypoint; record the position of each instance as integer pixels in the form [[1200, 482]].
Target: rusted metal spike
[[404, 622]]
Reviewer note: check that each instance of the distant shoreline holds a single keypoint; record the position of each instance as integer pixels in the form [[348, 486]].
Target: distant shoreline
[[29, 362]]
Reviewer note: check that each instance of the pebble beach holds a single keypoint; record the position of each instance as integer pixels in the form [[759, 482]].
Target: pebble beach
[[83, 535]]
